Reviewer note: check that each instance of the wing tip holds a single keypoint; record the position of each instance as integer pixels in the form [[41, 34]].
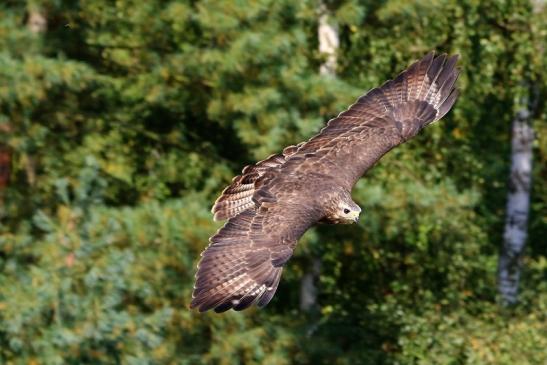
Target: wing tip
[[447, 105], [218, 216]]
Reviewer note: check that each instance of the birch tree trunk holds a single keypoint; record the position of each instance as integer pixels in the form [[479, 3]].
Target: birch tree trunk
[[518, 197], [518, 202], [328, 45], [36, 21]]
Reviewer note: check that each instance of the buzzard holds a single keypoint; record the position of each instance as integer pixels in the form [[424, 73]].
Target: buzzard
[[272, 203]]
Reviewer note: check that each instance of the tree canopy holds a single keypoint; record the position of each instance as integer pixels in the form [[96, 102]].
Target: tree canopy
[[123, 120]]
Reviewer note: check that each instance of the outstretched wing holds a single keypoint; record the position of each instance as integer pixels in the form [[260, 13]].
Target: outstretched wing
[[380, 120], [243, 263], [355, 140]]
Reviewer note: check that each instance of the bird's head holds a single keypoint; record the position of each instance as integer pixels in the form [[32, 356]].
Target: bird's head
[[343, 211]]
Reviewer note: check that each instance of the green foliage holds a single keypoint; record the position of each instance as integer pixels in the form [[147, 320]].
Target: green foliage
[[491, 337], [126, 119]]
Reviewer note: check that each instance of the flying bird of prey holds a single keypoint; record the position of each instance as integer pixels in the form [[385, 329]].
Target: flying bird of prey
[[272, 203]]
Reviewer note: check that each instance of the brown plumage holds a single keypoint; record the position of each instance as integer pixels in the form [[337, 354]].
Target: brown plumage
[[271, 204]]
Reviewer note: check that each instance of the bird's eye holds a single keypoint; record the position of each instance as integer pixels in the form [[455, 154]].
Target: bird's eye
[[346, 211]]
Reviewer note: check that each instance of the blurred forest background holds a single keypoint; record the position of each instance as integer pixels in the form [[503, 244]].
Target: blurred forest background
[[121, 121]]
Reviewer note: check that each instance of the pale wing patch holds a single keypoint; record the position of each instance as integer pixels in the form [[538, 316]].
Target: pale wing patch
[[237, 197]]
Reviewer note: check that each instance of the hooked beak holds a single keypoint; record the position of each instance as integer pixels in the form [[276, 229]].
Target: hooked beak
[[354, 216]]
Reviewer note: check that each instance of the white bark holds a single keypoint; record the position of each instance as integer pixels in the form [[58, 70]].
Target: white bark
[[518, 197], [518, 202], [328, 43], [308, 285], [327, 33], [36, 22]]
